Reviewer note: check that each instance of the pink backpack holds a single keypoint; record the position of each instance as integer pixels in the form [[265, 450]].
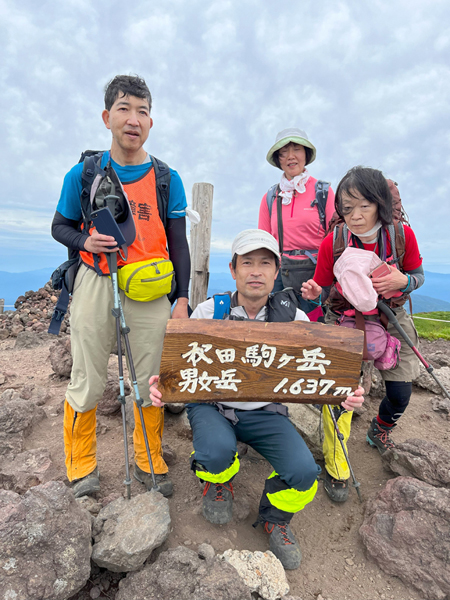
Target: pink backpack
[[381, 347]]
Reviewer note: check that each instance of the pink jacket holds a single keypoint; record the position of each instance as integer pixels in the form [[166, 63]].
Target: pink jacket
[[301, 225]]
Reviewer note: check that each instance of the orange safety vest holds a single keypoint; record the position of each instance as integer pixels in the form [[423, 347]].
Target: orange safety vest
[[151, 240]]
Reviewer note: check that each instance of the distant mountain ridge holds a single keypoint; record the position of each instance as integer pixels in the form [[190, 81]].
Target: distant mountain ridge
[[434, 295], [223, 282]]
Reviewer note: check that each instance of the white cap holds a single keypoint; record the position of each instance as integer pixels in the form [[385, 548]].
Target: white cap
[[254, 239]]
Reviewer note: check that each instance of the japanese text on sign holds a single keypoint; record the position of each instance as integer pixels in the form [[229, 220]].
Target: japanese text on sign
[[194, 379]]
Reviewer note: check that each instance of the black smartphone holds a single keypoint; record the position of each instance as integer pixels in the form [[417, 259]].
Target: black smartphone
[[105, 224]]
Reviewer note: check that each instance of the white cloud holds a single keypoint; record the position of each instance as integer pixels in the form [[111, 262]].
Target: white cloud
[[368, 82]]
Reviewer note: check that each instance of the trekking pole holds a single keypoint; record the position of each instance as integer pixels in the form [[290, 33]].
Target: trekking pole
[[384, 308], [112, 264], [340, 436], [139, 401], [124, 330]]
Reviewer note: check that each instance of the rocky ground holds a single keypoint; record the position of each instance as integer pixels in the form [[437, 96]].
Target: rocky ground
[[336, 564]]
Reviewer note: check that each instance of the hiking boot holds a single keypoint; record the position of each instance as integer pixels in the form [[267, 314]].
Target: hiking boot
[[337, 489], [163, 481], [88, 485], [283, 544], [218, 502], [379, 436]]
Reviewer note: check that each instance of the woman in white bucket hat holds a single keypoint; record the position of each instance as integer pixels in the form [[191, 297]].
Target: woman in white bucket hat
[[305, 206]]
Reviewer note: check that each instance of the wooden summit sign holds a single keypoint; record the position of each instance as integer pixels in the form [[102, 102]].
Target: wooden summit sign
[[255, 361]]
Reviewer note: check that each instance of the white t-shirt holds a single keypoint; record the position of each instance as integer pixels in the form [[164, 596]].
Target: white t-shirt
[[205, 310]]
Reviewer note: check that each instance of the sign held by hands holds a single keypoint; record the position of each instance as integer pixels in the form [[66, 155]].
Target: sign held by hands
[[253, 361]]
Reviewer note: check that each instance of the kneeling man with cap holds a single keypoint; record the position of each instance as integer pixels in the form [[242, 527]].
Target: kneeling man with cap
[[263, 425]]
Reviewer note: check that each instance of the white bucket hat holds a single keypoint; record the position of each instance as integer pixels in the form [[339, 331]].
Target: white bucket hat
[[254, 239], [297, 136], [351, 270]]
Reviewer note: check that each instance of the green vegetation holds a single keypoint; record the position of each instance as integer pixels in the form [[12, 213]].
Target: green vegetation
[[432, 330]]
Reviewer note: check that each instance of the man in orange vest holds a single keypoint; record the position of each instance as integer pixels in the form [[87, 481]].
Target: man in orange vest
[[93, 331]]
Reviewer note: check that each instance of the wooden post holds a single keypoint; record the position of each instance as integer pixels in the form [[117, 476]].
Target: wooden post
[[2, 305], [202, 202]]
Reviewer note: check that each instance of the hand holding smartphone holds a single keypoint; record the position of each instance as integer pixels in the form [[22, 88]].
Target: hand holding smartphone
[[106, 225], [380, 271]]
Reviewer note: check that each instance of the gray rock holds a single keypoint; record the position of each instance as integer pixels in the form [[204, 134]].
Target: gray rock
[[426, 381], [102, 427], [61, 357], [110, 498], [37, 395], [377, 388], [28, 339], [17, 414], [308, 422], [262, 572], [441, 405], [26, 470], [241, 509], [179, 573], [367, 376], [11, 444], [206, 552], [95, 592], [439, 358], [8, 395], [175, 407], [421, 459], [132, 529], [129, 411], [15, 329], [169, 455], [45, 543], [182, 427], [89, 504], [405, 531], [27, 392], [109, 404]]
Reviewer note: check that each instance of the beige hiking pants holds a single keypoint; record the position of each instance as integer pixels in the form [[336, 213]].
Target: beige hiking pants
[[93, 335]]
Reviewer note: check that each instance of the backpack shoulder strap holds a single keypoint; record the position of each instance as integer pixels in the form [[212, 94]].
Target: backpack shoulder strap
[[397, 237], [320, 201], [270, 197], [91, 168], [340, 239], [162, 178], [222, 303], [282, 306]]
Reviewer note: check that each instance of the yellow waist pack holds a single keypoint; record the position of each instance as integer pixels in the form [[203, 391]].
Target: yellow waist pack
[[145, 281]]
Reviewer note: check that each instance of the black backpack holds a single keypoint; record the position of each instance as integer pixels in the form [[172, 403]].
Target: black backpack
[[63, 277], [281, 306]]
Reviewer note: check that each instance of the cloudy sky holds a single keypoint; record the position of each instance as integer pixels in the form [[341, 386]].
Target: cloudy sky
[[369, 82]]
